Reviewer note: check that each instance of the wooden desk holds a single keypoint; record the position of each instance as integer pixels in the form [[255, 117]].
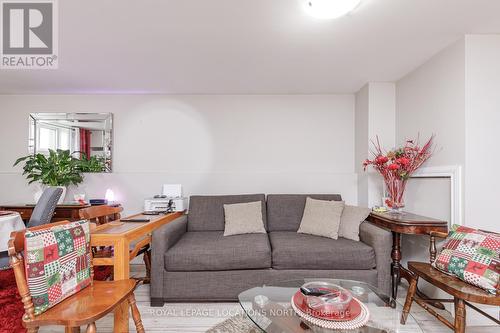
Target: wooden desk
[[120, 235], [62, 213], [408, 224]]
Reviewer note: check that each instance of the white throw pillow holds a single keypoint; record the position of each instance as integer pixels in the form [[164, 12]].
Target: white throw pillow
[[243, 218], [321, 218], [351, 219]]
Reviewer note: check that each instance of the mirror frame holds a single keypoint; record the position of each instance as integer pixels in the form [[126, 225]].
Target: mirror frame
[[67, 116]]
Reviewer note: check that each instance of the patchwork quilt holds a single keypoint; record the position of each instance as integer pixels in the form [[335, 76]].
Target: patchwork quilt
[[57, 262], [473, 256]]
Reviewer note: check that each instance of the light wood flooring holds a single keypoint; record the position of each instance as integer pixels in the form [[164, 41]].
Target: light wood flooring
[[199, 317]]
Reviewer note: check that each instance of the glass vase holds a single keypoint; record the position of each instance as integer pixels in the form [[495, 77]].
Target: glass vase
[[395, 192]]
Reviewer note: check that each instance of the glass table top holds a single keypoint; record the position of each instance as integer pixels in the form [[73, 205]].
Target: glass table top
[[269, 307]]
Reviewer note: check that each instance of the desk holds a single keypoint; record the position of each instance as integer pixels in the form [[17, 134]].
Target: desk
[[120, 235], [408, 224], [63, 212]]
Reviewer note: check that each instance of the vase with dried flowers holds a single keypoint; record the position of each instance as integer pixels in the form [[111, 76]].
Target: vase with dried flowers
[[396, 167]]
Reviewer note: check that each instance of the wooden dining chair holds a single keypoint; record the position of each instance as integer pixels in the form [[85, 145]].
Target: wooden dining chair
[[463, 293], [82, 308], [105, 214], [101, 214]]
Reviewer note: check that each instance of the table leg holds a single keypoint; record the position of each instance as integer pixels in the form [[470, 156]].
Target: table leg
[[121, 271], [399, 272], [72, 330], [396, 264]]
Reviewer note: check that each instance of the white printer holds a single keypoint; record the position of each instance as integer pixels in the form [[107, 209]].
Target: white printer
[[171, 193], [162, 204]]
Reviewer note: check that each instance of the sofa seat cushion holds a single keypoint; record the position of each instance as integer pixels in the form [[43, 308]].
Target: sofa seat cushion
[[291, 250], [212, 251]]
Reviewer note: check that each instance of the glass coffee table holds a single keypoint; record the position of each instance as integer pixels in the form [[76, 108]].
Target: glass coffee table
[[269, 307]]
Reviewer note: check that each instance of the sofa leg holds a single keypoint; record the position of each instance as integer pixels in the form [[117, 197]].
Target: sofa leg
[[156, 302]]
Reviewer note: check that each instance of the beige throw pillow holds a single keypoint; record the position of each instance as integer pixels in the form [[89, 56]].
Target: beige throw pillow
[[351, 219], [243, 218], [321, 218]]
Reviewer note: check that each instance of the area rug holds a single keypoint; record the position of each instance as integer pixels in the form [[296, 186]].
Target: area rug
[[242, 324], [11, 307], [236, 324]]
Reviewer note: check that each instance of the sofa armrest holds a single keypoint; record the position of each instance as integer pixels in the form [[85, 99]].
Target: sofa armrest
[[163, 239], [381, 241]]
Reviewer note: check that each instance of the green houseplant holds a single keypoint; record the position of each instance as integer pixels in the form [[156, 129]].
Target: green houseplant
[[58, 168], [92, 164]]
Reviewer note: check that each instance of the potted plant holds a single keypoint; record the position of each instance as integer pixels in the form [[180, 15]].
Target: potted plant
[[59, 168], [396, 167]]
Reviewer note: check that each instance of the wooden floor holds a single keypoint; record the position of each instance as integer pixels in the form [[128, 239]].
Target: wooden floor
[[199, 317]]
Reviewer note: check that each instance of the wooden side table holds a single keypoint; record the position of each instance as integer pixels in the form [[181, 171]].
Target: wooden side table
[[408, 224]]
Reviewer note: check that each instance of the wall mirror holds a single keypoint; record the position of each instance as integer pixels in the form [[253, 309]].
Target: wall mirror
[[85, 135]]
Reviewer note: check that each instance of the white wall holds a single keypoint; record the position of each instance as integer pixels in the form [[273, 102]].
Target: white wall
[[375, 116], [210, 144], [362, 142], [431, 100], [482, 118], [456, 96]]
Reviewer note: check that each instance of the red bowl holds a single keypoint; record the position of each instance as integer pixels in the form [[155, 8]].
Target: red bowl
[[352, 311]]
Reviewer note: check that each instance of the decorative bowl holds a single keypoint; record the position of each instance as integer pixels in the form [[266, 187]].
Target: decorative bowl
[[328, 298]]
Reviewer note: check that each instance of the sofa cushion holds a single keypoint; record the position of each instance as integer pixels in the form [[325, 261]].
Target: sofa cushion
[[351, 219], [212, 251], [321, 218], [284, 211], [243, 218], [292, 250], [206, 212]]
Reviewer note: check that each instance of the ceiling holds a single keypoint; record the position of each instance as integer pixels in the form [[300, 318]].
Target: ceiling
[[245, 46]]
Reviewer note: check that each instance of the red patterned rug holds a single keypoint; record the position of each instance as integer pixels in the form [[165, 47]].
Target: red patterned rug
[[11, 307]]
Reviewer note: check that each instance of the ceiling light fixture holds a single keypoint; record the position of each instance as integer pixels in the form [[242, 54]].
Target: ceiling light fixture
[[330, 9]]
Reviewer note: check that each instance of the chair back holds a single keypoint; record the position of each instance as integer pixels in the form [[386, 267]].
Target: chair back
[[44, 209], [101, 214], [16, 250]]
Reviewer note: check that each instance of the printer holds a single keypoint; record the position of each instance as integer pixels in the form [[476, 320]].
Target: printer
[[170, 199], [161, 204]]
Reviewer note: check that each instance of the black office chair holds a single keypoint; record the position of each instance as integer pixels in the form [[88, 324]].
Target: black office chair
[[42, 214]]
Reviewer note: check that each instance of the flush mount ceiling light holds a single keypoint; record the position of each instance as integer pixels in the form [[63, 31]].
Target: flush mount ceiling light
[[329, 9]]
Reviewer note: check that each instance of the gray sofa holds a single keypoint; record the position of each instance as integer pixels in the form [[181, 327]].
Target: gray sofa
[[193, 261]]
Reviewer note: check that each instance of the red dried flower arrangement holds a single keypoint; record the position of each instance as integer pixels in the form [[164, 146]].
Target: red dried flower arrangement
[[396, 166]]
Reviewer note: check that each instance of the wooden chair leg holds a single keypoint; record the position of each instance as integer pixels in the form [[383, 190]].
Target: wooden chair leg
[[409, 299], [72, 329], [91, 328], [459, 315], [147, 263], [136, 315]]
